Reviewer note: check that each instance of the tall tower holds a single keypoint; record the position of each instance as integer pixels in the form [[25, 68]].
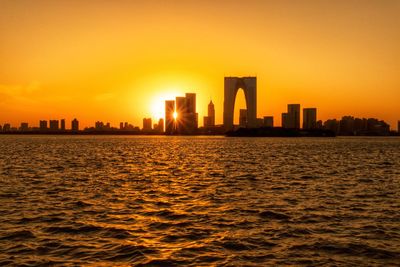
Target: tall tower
[[75, 125], [190, 103], [211, 114], [309, 118], [293, 116], [169, 116]]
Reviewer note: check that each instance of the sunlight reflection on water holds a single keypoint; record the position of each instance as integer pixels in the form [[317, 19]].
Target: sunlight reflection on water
[[168, 201]]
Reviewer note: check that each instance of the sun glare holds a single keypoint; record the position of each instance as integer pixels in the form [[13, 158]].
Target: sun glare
[[175, 115], [158, 102], [158, 109]]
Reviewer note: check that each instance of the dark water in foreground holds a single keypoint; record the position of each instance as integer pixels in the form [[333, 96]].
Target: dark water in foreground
[[192, 201]]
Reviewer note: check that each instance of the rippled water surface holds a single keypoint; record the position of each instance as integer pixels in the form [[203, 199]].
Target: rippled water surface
[[199, 201]]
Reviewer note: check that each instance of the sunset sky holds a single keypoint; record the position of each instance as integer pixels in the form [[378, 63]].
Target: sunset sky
[[119, 60]]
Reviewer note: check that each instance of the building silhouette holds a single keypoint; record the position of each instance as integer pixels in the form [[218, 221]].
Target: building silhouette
[[54, 125], [285, 120], [332, 125], [293, 116], [43, 125], [309, 118], [169, 116], [180, 109], [398, 126], [24, 127], [99, 125], [62, 124], [147, 125], [75, 125], [268, 121], [186, 121], [346, 125], [6, 127], [231, 87], [209, 121]]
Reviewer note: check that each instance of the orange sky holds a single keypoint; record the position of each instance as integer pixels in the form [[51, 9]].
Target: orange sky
[[118, 60]]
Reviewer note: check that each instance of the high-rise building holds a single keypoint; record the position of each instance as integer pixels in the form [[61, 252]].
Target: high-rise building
[[169, 116], [285, 120], [187, 118], [181, 116], [293, 119], [75, 125], [147, 125], [63, 125], [268, 121], [211, 114], [243, 117], [24, 127], [192, 116], [43, 125], [54, 125], [180, 106], [309, 118], [398, 126], [190, 103]]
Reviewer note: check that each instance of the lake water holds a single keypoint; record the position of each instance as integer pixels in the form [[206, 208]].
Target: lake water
[[199, 201]]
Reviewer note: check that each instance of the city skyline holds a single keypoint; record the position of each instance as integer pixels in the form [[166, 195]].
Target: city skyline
[[98, 61], [181, 118]]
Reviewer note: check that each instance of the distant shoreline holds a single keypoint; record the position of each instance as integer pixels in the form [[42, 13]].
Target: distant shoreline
[[242, 132]]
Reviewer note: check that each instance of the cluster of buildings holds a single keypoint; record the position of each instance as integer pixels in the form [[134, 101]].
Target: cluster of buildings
[[44, 126], [291, 118], [149, 127], [181, 116], [349, 125]]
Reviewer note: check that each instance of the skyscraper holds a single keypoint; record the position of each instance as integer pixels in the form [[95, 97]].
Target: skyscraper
[[293, 117], [211, 114], [309, 118], [209, 121], [54, 125], [169, 116], [284, 120], [398, 126], [186, 121], [75, 125], [43, 125], [190, 103], [180, 106], [191, 117], [147, 125]]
